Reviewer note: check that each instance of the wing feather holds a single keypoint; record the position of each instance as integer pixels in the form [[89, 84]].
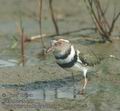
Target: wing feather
[[90, 60]]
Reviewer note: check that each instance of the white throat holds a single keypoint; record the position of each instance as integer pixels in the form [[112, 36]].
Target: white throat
[[69, 58]]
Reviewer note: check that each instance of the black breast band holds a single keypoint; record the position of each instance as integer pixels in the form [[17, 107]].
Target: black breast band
[[69, 64]]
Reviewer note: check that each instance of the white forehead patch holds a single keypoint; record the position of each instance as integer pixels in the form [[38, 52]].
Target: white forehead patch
[[53, 42], [64, 40]]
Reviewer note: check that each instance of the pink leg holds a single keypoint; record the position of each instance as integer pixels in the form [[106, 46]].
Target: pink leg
[[85, 81]]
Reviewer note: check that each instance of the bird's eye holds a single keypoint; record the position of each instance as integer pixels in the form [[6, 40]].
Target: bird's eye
[[55, 44], [58, 44]]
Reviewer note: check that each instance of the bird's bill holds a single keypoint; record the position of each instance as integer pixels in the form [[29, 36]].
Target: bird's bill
[[50, 49], [52, 46]]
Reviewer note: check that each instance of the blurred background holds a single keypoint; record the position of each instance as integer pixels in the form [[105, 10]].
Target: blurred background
[[91, 25]]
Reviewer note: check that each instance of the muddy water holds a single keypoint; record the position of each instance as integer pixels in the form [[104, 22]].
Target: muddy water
[[102, 92], [50, 90]]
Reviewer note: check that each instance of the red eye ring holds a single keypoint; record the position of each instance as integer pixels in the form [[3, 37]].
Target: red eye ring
[[57, 43]]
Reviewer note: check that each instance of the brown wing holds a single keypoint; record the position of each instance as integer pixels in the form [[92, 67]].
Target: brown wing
[[90, 59]]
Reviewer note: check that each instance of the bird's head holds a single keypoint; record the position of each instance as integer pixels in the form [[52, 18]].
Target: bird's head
[[59, 46]]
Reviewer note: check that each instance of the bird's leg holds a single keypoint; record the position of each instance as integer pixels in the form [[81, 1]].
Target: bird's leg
[[84, 86], [74, 89], [85, 81]]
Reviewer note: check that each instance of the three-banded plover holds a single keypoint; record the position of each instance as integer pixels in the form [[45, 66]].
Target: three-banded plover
[[68, 58]]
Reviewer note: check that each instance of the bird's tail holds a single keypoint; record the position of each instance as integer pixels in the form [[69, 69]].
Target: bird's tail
[[89, 61]]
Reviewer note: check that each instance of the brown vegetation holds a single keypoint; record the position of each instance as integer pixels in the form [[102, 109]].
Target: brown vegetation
[[98, 15]]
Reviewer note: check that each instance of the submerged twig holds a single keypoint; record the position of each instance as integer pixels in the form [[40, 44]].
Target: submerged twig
[[113, 22], [33, 38], [43, 53], [37, 37], [40, 21], [21, 31], [53, 17]]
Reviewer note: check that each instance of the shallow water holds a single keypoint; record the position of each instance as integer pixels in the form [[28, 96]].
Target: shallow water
[[60, 88], [49, 90], [8, 63]]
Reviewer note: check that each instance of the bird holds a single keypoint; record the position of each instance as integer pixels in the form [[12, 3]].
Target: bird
[[69, 58]]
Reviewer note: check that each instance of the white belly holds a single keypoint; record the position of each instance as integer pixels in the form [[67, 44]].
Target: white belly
[[78, 68]]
